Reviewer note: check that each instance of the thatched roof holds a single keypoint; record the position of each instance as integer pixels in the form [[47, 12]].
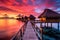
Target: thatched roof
[[49, 13]]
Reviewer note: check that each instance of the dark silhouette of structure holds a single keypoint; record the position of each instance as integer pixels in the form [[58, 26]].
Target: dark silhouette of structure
[[31, 17], [26, 18], [19, 17]]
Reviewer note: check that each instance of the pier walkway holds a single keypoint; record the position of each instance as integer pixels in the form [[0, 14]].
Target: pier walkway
[[29, 33]]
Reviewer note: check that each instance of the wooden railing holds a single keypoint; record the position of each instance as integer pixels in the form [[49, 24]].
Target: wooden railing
[[37, 31], [20, 33]]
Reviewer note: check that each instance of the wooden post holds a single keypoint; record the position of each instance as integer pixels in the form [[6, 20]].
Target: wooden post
[[44, 24], [51, 25], [41, 31], [58, 26], [47, 24]]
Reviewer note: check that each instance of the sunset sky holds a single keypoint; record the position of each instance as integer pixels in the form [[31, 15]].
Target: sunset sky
[[27, 7]]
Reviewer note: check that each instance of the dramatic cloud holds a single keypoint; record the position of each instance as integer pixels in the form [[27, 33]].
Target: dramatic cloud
[[4, 1], [29, 6], [6, 9]]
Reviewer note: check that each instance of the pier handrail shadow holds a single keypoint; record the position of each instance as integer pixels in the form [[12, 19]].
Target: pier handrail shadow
[[20, 33]]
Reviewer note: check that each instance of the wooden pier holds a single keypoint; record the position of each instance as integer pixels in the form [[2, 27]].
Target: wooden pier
[[29, 33]]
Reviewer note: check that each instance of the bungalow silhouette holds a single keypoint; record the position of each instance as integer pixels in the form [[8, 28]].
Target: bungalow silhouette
[[31, 17], [49, 16]]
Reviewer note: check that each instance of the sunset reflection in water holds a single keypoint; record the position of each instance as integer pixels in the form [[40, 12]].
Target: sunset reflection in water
[[9, 27]]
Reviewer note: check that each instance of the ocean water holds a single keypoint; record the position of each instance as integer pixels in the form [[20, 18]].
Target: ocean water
[[8, 28]]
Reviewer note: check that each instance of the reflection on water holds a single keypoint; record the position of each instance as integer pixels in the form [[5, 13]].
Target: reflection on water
[[9, 27], [54, 25]]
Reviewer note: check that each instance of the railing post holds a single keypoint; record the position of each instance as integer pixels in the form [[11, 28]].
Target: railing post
[[58, 26], [47, 24], [44, 24], [21, 34], [41, 31], [51, 25]]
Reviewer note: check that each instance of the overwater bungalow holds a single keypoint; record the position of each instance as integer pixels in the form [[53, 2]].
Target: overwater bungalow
[[49, 16]]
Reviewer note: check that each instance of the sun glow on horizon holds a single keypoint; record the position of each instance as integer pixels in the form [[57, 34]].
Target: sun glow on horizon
[[8, 13]]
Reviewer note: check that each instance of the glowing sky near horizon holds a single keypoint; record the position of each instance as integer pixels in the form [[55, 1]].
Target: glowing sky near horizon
[[28, 7]]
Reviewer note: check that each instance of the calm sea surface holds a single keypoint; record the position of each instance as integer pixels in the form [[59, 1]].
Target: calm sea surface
[[9, 27]]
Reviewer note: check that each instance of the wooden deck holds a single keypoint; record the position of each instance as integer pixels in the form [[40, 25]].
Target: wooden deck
[[29, 33]]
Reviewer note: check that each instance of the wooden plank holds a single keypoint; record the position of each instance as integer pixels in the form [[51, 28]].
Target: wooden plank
[[29, 33]]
